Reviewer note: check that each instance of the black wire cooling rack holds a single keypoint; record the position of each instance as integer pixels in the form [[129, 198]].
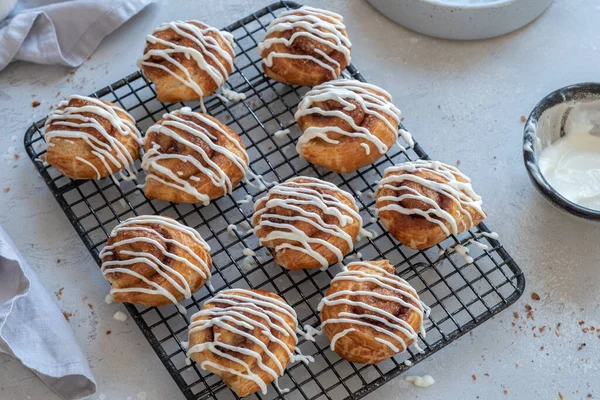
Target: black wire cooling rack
[[461, 295]]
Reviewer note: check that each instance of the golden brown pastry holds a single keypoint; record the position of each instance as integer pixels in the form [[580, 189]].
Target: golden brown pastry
[[306, 46], [89, 138], [346, 124], [187, 60], [154, 260], [307, 223], [369, 314], [191, 158], [247, 337], [423, 202]]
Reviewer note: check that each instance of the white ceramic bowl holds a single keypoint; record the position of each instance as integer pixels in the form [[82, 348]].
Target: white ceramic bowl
[[462, 19]]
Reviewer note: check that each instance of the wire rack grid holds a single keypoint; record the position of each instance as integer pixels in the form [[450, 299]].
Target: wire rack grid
[[461, 295]]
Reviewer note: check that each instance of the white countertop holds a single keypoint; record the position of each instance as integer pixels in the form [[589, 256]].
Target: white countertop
[[463, 101]]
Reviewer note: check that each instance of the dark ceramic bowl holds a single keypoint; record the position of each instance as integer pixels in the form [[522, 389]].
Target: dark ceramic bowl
[[545, 125]]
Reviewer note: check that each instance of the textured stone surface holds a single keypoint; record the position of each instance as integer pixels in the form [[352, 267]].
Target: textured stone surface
[[463, 101]]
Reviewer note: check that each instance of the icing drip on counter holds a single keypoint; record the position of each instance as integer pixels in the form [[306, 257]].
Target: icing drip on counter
[[370, 98], [311, 23], [218, 177], [491, 235], [460, 193], [297, 195], [207, 58], [240, 315], [120, 316], [378, 319], [420, 381], [144, 224], [113, 154]]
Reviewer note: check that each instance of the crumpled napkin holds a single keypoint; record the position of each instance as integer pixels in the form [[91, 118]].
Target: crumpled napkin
[[34, 330], [61, 31]]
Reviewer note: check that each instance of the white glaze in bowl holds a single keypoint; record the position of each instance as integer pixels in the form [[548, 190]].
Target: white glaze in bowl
[[462, 19]]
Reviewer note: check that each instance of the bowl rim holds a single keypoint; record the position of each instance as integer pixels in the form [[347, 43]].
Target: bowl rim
[[491, 4], [536, 176]]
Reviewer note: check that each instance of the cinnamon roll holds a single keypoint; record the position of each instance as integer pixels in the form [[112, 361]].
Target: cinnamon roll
[[192, 157], [307, 223], [369, 314], [247, 337], [89, 138], [305, 46], [154, 260], [422, 202], [187, 60], [346, 124]]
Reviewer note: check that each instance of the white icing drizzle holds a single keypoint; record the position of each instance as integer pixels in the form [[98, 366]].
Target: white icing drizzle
[[479, 245], [248, 263], [248, 252], [311, 23], [120, 316], [370, 98], [420, 381], [463, 251], [373, 220], [297, 195], [380, 320], [175, 120], [247, 199], [407, 137], [209, 53], [113, 154], [408, 363], [310, 332], [461, 193], [491, 235], [178, 280], [232, 95], [109, 299], [281, 133], [232, 229], [231, 314]]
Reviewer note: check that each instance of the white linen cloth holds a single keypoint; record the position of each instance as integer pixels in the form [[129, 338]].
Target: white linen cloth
[[61, 31], [34, 330]]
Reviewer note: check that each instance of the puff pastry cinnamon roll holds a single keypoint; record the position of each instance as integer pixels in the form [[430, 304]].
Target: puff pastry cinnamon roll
[[154, 260], [187, 60], [306, 46], [89, 138], [422, 202], [307, 223], [369, 314], [247, 337], [192, 157], [346, 124]]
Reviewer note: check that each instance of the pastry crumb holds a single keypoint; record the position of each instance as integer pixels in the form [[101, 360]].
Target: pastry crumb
[[581, 322], [35, 104], [6, 190], [67, 316], [473, 377], [560, 396], [16, 156], [59, 293], [505, 391], [535, 296], [58, 260], [108, 332], [90, 306], [523, 118], [581, 347]]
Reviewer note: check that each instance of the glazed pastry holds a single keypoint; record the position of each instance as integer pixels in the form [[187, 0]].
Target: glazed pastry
[[423, 202], [247, 337], [89, 138], [369, 314], [307, 223], [306, 46], [187, 61], [346, 124], [192, 158], [154, 260]]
